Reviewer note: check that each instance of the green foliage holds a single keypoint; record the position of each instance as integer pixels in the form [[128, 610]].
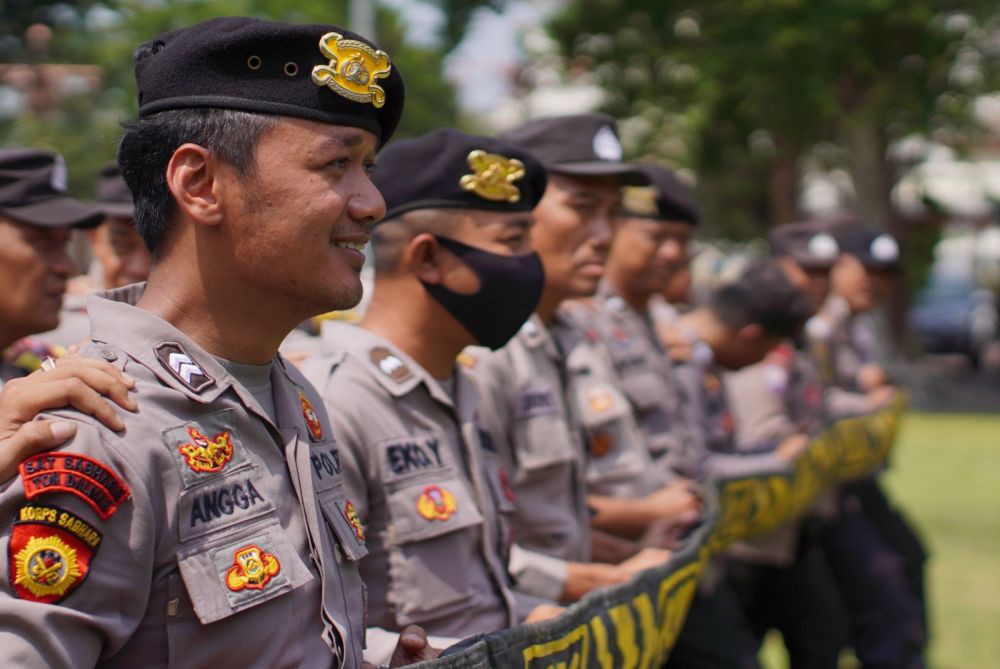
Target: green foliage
[[85, 128], [751, 86]]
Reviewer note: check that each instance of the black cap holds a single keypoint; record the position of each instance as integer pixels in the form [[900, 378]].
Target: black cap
[[577, 145], [666, 198], [317, 72], [113, 195], [809, 243], [33, 191], [876, 249], [448, 169]]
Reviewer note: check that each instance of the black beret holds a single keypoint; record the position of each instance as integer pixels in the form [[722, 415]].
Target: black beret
[[876, 249], [317, 72], [667, 198], [448, 169], [577, 145], [33, 191], [113, 195], [809, 243]]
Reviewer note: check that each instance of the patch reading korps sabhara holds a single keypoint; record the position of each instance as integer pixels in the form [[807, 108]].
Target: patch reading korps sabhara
[[175, 360], [90, 480]]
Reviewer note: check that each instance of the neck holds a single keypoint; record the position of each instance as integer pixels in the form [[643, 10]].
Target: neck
[[418, 326], [549, 304], [203, 307], [637, 299]]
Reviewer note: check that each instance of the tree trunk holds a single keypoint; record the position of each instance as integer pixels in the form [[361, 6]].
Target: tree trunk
[[783, 183]]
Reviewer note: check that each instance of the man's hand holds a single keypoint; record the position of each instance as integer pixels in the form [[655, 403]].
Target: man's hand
[[678, 499], [645, 559], [881, 396], [543, 612], [412, 647], [872, 376], [82, 383], [792, 446]]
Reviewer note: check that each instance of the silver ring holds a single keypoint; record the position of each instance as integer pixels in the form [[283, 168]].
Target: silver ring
[[48, 364]]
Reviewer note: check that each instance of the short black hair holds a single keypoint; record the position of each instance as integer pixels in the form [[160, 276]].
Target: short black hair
[[762, 296], [148, 144]]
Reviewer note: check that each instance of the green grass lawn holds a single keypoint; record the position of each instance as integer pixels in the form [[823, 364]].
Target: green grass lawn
[[946, 476]]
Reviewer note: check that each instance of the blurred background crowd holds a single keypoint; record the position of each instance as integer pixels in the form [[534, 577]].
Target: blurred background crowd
[[773, 111]]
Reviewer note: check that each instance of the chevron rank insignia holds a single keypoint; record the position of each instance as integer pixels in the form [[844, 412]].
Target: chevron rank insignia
[[175, 360]]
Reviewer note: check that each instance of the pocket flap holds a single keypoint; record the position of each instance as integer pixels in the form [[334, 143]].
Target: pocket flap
[[421, 510], [226, 575]]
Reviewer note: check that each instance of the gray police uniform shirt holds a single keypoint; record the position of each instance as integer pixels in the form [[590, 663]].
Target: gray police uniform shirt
[[203, 534], [74, 325], [426, 485], [770, 401], [521, 389], [644, 371], [619, 463], [839, 357]]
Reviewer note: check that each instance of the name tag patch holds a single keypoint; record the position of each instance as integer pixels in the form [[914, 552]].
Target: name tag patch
[[537, 401], [412, 454], [89, 479], [221, 504]]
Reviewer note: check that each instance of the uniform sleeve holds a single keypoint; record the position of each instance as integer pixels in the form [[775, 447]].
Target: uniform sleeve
[[756, 397], [841, 403], [78, 555], [536, 574]]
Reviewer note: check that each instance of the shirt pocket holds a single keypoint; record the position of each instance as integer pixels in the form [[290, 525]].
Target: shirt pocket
[[543, 441], [228, 572], [434, 536]]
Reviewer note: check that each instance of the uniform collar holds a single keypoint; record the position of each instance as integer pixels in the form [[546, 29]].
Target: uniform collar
[[395, 371], [175, 359]]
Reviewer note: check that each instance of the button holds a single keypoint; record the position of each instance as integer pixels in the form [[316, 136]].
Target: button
[[107, 354]]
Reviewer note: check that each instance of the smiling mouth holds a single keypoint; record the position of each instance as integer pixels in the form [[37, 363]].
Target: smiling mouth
[[355, 246]]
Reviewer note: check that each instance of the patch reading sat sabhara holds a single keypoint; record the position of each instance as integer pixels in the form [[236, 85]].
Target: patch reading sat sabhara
[[252, 569], [90, 480], [390, 364], [312, 420], [204, 455], [49, 552], [175, 360], [352, 69]]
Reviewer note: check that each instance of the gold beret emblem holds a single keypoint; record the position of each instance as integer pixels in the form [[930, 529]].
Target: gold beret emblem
[[494, 176], [353, 69], [639, 200]]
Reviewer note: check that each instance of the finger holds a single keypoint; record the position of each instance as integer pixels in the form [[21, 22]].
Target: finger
[[413, 638], [76, 362], [31, 438], [82, 397], [104, 379]]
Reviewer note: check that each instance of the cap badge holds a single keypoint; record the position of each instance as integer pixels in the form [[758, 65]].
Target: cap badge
[[353, 69], [885, 249], [607, 146], [494, 176], [823, 246], [639, 200]]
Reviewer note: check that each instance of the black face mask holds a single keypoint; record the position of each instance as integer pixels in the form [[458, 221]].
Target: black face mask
[[509, 290]]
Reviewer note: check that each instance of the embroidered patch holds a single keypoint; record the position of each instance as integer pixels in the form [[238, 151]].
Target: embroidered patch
[[493, 176], [601, 442], [237, 500], [711, 382], [50, 552], [204, 455], [352, 69], [600, 400], [252, 569], [175, 360], [390, 364], [200, 457], [508, 492], [90, 480], [436, 503], [467, 360], [412, 454], [352, 517], [312, 420], [537, 401]]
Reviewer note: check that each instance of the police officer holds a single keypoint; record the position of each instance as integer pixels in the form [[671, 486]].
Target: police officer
[[651, 240], [36, 217], [422, 472], [782, 578], [119, 257], [185, 536]]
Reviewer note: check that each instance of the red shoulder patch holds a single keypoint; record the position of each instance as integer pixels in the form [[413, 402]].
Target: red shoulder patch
[[49, 553], [89, 479]]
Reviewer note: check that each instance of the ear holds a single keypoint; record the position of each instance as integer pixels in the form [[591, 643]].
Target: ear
[[751, 332], [191, 177], [422, 258]]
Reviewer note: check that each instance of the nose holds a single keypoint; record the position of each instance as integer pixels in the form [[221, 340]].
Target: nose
[[600, 231], [366, 205], [673, 250], [61, 264]]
